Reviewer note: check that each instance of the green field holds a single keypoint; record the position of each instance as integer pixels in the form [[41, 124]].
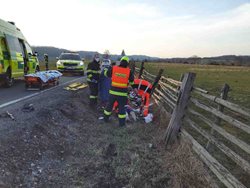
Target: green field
[[212, 78]]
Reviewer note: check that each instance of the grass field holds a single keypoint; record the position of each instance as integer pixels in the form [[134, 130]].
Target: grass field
[[212, 78]]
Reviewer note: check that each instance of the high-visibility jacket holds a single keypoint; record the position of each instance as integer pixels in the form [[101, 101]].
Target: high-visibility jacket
[[144, 90], [119, 81], [120, 77]]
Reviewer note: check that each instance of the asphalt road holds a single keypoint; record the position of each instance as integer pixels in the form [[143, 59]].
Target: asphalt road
[[18, 91]]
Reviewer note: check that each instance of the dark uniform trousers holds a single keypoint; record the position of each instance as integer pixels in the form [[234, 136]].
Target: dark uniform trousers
[[93, 87], [122, 101]]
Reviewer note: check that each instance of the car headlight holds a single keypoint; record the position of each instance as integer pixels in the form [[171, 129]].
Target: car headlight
[[81, 63], [58, 63]]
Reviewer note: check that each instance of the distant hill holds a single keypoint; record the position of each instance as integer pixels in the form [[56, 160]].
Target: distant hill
[[232, 60], [88, 55], [55, 52]]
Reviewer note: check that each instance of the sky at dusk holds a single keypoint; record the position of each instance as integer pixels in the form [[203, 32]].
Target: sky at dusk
[[170, 28]]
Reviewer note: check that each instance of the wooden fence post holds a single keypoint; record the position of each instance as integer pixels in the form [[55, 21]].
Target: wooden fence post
[[141, 70], [132, 67], [157, 79], [223, 95], [174, 125]]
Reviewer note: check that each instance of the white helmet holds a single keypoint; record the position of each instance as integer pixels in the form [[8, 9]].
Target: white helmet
[[105, 63]]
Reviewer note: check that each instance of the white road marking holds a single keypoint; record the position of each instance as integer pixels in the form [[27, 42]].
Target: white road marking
[[37, 93]]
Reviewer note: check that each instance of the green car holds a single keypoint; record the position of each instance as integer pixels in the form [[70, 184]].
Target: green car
[[70, 62]]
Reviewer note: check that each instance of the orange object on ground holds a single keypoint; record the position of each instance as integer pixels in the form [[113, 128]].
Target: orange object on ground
[[115, 107], [144, 89]]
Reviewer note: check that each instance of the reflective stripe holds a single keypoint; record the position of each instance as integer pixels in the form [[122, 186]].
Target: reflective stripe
[[118, 93], [90, 75], [94, 71], [131, 83], [121, 75], [139, 86], [88, 79], [107, 113], [146, 89], [92, 97], [121, 115], [105, 72], [119, 84]]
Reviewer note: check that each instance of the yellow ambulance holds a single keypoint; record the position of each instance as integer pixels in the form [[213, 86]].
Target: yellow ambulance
[[16, 55]]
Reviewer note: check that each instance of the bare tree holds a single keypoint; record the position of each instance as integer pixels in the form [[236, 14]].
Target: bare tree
[[123, 53]]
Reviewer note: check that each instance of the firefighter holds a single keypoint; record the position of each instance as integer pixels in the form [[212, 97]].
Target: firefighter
[[93, 75], [144, 89], [121, 76]]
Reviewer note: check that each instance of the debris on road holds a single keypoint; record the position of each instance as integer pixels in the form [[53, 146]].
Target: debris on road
[[28, 108], [148, 118], [10, 115], [76, 86]]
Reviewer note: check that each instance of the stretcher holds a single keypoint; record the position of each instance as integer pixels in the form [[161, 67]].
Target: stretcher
[[40, 80]]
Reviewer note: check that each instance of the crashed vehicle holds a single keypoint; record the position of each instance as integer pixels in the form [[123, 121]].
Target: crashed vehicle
[[70, 62]]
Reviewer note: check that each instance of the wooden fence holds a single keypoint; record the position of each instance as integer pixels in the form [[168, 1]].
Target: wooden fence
[[219, 130]]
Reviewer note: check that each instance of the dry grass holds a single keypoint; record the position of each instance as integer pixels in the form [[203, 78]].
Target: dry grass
[[186, 169]]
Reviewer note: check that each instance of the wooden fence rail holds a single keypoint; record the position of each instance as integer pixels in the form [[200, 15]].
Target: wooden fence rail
[[191, 110]]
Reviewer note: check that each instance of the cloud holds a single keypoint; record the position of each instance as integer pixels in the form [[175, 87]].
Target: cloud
[[222, 33], [139, 27]]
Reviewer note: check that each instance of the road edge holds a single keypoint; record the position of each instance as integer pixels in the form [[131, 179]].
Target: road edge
[[37, 93]]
